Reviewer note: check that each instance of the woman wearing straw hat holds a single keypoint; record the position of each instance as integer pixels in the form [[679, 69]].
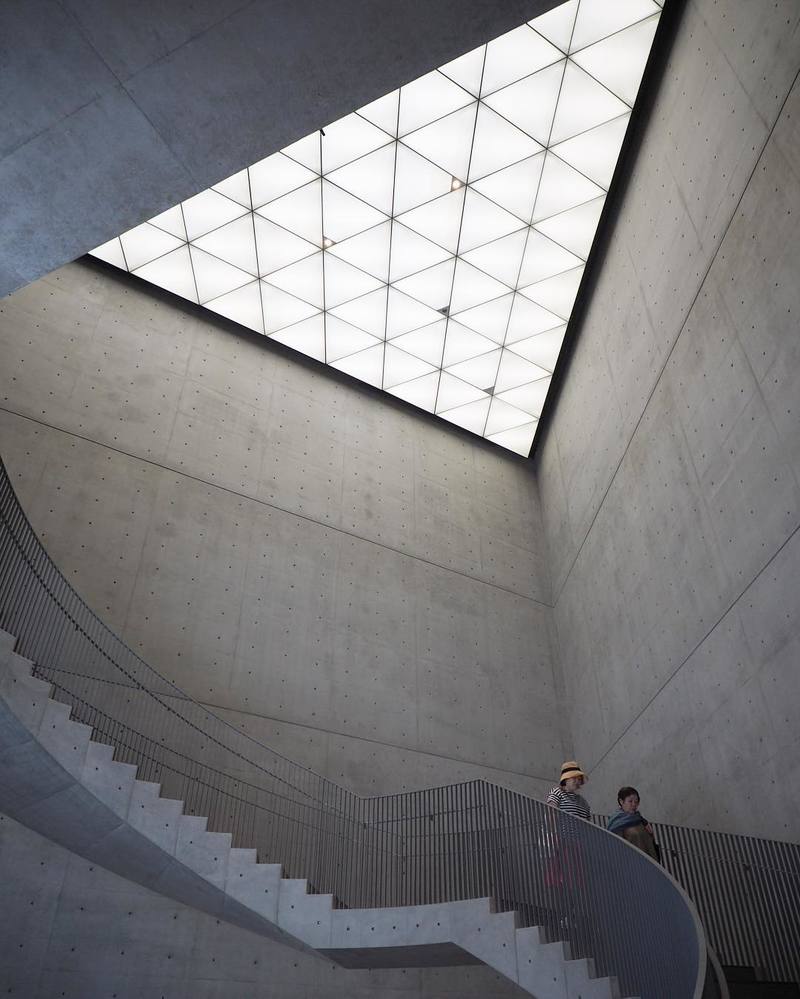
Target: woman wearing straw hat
[[564, 874], [564, 795]]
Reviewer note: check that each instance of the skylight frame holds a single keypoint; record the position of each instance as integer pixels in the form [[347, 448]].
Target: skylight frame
[[299, 247]]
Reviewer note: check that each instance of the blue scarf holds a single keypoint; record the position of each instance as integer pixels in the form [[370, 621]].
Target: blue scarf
[[624, 820]]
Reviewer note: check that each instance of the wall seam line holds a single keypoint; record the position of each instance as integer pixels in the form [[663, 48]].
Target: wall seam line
[[279, 509]]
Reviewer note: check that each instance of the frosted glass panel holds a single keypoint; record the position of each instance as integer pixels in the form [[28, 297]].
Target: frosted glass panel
[[432, 242]]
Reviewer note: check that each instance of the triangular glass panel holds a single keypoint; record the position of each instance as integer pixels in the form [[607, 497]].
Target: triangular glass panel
[[348, 139], [234, 243], [514, 188], [561, 188], [483, 222], [528, 319], [490, 319], [282, 309], [519, 440], [343, 215], [276, 176], [237, 188], [209, 210], [471, 417], [556, 294], [368, 251], [171, 221], [417, 180], [383, 112], [543, 349], [428, 98], [427, 343], [516, 54], [447, 142], [307, 151], [531, 103], [557, 24], [439, 220], [112, 253], [479, 371], [307, 337], [618, 62], [173, 272], [406, 314], [399, 367], [278, 248], [453, 392], [300, 212], [344, 282], [243, 306], [467, 70], [515, 370], [368, 313], [432, 286], [583, 104], [501, 258], [576, 228], [342, 339], [145, 243], [497, 144], [370, 178], [503, 416], [420, 392], [303, 280], [472, 287], [543, 258], [367, 366], [412, 252], [598, 18], [214, 277], [528, 397], [595, 153], [461, 344]]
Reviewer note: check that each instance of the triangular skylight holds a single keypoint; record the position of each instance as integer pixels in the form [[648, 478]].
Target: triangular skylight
[[431, 243]]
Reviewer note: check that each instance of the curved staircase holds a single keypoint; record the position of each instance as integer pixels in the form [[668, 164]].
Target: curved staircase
[[91, 738], [58, 781]]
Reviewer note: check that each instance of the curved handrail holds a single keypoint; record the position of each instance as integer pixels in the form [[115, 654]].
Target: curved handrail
[[467, 840]]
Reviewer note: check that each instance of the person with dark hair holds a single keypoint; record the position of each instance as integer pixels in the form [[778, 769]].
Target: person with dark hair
[[631, 825]]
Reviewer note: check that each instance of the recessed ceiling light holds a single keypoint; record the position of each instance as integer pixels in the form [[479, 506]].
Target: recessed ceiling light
[[327, 243], [455, 184]]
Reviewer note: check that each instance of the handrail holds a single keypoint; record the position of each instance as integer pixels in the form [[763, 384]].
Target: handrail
[[459, 841]]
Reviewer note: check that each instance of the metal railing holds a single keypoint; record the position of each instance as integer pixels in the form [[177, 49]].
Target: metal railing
[[460, 841]]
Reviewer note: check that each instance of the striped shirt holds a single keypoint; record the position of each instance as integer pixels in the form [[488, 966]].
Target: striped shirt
[[566, 801]]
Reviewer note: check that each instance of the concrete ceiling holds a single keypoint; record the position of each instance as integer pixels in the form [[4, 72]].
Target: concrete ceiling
[[111, 113]]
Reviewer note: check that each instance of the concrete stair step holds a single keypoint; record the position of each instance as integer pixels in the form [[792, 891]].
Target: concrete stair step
[[230, 882]]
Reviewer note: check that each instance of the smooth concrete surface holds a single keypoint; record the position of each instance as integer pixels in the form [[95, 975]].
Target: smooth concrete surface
[[69, 928], [672, 525], [112, 113], [365, 589]]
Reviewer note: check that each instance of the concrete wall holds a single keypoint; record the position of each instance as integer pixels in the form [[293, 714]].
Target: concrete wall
[[353, 583], [71, 930], [362, 587], [673, 524]]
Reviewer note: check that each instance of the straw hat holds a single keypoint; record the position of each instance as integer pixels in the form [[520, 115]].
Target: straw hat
[[572, 769]]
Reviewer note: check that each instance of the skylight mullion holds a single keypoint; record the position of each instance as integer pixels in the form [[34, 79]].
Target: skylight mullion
[[463, 207], [539, 183], [391, 235]]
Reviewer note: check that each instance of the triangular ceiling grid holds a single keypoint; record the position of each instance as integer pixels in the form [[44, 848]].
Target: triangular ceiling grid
[[432, 242]]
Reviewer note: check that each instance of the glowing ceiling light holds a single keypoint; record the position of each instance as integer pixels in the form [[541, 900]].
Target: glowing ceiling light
[[454, 215]]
